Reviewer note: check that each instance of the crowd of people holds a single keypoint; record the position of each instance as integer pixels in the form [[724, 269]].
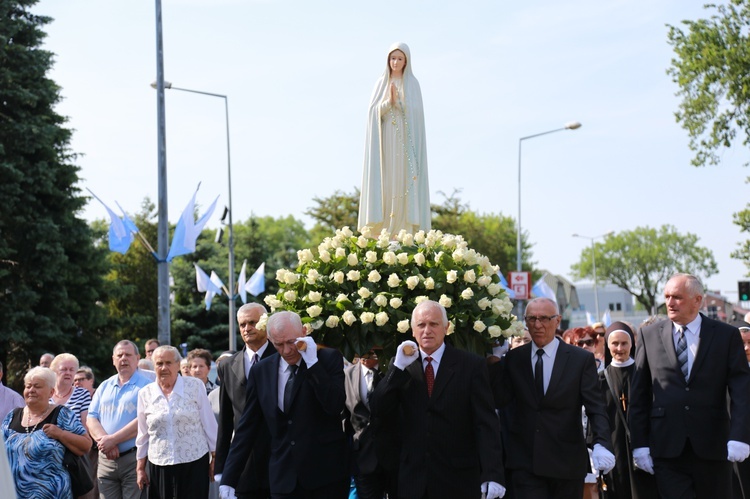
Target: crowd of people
[[659, 410]]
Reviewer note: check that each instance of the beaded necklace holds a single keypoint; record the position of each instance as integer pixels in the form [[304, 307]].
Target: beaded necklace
[[39, 420]]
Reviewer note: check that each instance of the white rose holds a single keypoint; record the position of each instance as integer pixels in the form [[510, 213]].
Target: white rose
[[381, 319], [338, 277], [393, 281], [381, 301], [451, 276], [332, 321], [335, 242], [439, 256], [419, 259], [346, 231], [349, 318], [366, 317], [420, 299], [314, 296], [402, 258], [395, 302], [412, 281], [314, 311], [458, 255], [445, 301], [325, 256], [374, 276], [470, 276], [364, 292], [471, 257], [495, 331], [272, 302], [280, 274], [342, 298], [494, 289], [484, 280], [312, 276], [407, 240], [429, 283], [384, 239], [389, 258], [484, 303], [451, 328], [419, 237], [304, 256], [467, 294], [340, 252], [449, 241], [403, 326], [352, 259], [479, 326], [371, 257], [353, 275], [291, 278], [262, 323], [325, 245], [290, 295], [366, 231]]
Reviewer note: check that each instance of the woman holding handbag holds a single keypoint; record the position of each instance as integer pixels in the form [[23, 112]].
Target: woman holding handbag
[[36, 437]]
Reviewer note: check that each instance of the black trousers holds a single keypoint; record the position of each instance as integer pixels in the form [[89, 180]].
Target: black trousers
[[688, 476], [179, 481], [335, 490], [527, 485]]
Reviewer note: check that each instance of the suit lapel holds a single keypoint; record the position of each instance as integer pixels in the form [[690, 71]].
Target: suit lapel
[[561, 359], [444, 374], [704, 345], [524, 357], [299, 378], [238, 368], [668, 341], [416, 372]]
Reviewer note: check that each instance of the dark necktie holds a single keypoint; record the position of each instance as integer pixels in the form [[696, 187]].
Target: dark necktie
[[288, 387], [429, 376], [539, 374], [681, 350]]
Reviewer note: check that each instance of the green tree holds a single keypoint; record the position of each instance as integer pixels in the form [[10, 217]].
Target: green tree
[[712, 70], [492, 235], [340, 209], [50, 272], [641, 260]]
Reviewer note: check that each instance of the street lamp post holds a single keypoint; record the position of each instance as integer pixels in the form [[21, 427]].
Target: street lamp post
[[593, 264], [232, 335], [573, 125]]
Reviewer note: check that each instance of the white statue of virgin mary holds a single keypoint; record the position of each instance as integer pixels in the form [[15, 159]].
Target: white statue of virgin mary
[[395, 191]]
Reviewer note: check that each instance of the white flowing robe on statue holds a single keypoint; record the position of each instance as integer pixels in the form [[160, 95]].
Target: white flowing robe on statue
[[395, 191]]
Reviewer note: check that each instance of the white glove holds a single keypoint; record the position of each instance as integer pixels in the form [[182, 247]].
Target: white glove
[[493, 490], [603, 459], [217, 478], [310, 354], [226, 492], [642, 459], [501, 350], [402, 360], [737, 451]]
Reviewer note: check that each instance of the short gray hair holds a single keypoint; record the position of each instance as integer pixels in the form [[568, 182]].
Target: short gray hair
[[277, 320], [168, 348], [247, 307], [432, 305], [44, 373], [693, 285], [126, 342], [547, 300]]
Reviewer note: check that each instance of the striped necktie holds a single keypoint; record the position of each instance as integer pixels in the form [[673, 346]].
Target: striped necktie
[[681, 350]]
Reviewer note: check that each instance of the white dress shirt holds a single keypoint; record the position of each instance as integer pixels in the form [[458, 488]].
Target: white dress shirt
[[437, 356], [693, 338], [364, 383], [250, 355], [548, 360], [177, 429]]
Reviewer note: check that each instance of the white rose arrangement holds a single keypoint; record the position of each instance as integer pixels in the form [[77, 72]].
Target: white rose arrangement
[[356, 291]]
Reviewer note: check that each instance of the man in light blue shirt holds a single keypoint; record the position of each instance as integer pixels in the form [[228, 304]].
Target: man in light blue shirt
[[112, 423]]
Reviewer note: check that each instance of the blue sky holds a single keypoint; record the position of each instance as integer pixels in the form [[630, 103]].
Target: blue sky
[[299, 76]]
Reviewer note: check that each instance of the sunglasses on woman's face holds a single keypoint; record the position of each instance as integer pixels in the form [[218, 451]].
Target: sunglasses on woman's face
[[585, 343]]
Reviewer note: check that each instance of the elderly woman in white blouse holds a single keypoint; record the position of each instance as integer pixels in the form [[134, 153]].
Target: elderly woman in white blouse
[[176, 432]]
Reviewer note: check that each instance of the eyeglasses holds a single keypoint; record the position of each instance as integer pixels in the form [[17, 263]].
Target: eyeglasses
[[585, 343], [79, 380], [544, 319]]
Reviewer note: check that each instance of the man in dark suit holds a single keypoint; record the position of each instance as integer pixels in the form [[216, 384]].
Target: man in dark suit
[[450, 432], [298, 395], [233, 373], [544, 384], [372, 475], [679, 424]]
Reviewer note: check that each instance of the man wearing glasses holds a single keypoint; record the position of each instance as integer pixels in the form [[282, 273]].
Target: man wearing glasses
[[548, 381]]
